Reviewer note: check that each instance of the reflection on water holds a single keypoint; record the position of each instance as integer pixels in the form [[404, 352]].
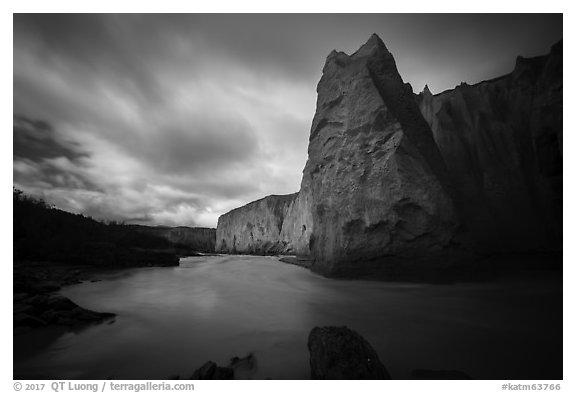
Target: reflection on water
[[172, 320]]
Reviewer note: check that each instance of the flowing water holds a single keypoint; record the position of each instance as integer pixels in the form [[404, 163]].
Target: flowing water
[[172, 320]]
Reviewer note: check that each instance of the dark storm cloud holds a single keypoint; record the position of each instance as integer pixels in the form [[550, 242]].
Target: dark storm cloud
[[175, 119], [36, 140], [98, 45], [38, 154]]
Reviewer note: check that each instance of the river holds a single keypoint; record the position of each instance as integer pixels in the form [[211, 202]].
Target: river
[[172, 320]]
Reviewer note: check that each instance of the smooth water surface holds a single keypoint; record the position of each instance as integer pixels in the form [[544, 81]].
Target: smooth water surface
[[172, 320]]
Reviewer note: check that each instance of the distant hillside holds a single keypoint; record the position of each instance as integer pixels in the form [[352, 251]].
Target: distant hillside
[[45, 233], [183, 238]]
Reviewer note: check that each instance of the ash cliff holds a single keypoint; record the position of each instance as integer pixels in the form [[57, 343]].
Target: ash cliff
[[502, 143], [396, 176], [276, 224]]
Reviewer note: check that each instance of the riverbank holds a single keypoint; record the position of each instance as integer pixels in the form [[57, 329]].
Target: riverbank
[[447, 270], [37, 303]]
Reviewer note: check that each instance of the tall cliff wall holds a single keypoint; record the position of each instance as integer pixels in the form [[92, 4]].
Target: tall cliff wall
[[502, 143], [272, 225], [390, 174], [377, 181]]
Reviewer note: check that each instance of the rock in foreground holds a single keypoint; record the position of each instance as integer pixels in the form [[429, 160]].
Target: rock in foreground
[[239, 368], [341, 353], [210, 370]]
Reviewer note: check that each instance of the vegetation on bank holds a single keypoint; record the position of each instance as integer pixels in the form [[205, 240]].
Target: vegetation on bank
[[45, 233]]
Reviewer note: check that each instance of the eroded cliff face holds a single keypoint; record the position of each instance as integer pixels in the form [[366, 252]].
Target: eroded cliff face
[[377, 181], [502, 143], [276, 224], [393, 175]]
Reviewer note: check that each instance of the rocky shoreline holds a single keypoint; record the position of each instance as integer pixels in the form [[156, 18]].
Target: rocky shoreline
[[37, 303], [296, 260]]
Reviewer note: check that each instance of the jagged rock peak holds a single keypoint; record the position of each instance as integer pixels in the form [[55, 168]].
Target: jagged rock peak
[[426, 91], [409, 87], [372, 46], [335, 53], [557, 47], [339, 58]]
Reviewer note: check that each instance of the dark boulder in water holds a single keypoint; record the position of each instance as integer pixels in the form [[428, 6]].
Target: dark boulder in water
[[341, 353], [239, 368], [210, 370], [244, 368]]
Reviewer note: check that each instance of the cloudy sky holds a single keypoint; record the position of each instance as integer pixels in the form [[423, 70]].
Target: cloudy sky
[[176, 119]]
